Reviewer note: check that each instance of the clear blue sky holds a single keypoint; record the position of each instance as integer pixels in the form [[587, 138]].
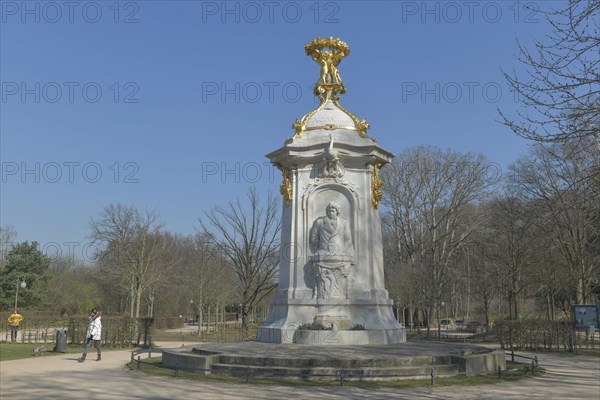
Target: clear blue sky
[[161, 123]]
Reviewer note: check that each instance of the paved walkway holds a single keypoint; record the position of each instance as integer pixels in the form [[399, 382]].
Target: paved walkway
[[62, 377]]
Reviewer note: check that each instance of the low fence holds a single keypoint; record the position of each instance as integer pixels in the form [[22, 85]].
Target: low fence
[[534, 360], [530, 335], [40, 329], [117, 332], [342, 375], [453, 336], [538, 335]]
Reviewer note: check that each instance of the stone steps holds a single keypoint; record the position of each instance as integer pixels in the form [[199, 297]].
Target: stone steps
[[401, 361], [408, 372], [338, 363]]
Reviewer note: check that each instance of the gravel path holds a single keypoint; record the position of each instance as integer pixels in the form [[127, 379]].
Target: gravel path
[[62, 377]]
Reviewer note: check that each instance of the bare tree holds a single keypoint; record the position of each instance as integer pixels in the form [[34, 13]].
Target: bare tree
[[248, 237], [554, 179], [428, 203], [400, 276], [212, 280], [553, 280], [173, 275], [131, 242], [484, 274], [72, 288], [167, 256], [7, 237], [561, 90], [511, 246]]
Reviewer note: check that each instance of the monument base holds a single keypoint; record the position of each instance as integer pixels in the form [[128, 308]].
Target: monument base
[[348, 337], [334, 322], [413, 360], [278, 335], [353, 321]]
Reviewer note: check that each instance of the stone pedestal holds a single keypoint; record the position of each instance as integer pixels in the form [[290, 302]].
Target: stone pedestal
[[331, 270]]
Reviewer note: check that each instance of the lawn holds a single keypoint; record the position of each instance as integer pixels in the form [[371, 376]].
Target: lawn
[[17, 351]]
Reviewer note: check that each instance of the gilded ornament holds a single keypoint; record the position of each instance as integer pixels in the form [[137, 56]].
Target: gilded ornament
[[376, 187], [286, 187], [328, 53], [298, 127]]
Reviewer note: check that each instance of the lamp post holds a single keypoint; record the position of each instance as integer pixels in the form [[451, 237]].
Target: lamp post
[[190, 321], [23, 285], [438, 320]]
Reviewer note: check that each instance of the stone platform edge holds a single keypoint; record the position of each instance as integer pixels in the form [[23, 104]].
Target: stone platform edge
[[201, 361]]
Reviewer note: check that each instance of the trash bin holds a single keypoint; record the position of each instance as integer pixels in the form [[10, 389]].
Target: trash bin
[[61, 341]]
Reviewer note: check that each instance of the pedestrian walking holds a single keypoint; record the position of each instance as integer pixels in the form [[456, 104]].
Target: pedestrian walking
[[14, 320], [93, 335]]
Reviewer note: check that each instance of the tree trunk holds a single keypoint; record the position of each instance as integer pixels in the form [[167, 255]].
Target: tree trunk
[[132, 296], [138, 301], [200, 320], [244, 320], [208, 319], [486, 310], [428, 318]]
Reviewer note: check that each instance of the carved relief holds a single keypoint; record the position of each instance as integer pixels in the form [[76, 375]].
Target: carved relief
[[340, 186], [331, 166], [333, 253]]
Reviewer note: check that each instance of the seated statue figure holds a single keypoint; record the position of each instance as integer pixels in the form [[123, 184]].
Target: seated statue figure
[[333, 253]]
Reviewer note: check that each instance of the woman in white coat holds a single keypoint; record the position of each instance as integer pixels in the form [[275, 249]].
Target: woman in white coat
[[93, 335]]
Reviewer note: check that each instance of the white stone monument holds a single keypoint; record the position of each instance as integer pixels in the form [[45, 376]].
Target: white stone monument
[[331, 261]]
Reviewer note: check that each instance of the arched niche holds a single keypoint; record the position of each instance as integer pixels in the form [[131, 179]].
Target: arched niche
[[315, 200]]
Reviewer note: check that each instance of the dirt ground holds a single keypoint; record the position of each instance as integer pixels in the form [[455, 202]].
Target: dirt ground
[[62, 377]]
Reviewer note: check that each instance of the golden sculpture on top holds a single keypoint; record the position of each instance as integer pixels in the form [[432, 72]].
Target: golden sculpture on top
[[328, 53], [329, 60]]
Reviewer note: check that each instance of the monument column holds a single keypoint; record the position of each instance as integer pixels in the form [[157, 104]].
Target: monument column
[[331, 260]]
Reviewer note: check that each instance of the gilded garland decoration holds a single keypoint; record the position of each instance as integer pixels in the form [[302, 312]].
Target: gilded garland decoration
[[376, 187]]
